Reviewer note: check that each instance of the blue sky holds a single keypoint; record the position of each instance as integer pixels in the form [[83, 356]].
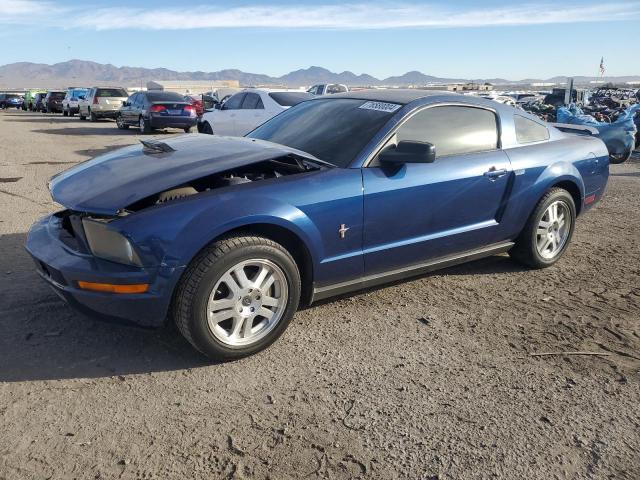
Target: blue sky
[[443, 38]]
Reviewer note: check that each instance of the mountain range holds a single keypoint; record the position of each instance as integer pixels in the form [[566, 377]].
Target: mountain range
[[82, 72]]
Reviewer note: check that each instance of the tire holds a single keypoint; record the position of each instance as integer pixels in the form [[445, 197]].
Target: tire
[[143, 125], [527, 246], [210, 268], [93, 116], [621, 157], [120, 123], [206, 128], [65, 113], [187, 130]]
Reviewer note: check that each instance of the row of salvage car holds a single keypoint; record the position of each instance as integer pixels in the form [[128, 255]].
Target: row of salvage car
[[236, 113], [613, 114]]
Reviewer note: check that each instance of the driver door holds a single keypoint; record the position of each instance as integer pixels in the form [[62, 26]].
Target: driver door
[[224, 120], [417, 212]]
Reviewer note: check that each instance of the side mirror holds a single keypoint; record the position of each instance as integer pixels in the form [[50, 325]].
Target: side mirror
[[408, 152]]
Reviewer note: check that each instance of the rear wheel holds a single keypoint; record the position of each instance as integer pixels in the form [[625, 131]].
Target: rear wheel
[[548, 231], [237, 297], [187, 130], [65, 113], [143, 125], [93, 116]]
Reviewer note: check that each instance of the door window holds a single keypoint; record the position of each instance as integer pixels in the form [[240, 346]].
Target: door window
[[234, 102], [453, 130]]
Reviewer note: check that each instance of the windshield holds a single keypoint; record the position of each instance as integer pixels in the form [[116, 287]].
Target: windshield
[[289, 99], [111, 92], [333, 130]]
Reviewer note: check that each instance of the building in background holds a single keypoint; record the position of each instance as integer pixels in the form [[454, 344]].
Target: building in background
[[191, 87]]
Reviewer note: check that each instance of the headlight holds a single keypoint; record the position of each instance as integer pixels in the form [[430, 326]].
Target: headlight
[[107, 244]]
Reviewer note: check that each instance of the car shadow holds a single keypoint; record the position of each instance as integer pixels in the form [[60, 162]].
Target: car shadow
[[94, 152], [42, 338], [82, 131]]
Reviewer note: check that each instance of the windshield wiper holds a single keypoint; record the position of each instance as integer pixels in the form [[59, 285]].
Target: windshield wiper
[[314, 161]]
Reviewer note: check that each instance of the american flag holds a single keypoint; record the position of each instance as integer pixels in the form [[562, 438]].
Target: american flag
[[602, 66]]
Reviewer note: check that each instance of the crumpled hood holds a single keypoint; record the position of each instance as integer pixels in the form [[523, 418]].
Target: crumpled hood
[[113, 181]]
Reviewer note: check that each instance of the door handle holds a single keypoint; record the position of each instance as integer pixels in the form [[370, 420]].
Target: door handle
[[493, 173]]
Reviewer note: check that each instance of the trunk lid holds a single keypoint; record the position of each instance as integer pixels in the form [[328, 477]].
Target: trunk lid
[[111, 182]]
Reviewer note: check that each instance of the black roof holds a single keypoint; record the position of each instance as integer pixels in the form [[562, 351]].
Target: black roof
[[392, 95]]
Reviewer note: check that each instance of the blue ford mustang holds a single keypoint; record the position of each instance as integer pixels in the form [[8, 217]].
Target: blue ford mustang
[[228, 236]]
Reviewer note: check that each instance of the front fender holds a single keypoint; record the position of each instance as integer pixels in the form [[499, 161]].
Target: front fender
[[172, 234], [232, 215]]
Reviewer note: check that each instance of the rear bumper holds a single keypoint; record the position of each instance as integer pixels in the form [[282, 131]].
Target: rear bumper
[[105, 113], [172, 122], [62, 267]]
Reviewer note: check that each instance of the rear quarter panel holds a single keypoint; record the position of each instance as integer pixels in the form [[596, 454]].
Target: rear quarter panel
[[581, 160]]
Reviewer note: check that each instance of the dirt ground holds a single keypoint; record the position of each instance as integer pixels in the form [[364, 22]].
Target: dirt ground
[[428, 379]]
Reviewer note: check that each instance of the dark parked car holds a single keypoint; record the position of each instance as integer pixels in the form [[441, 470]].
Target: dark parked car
[[9, 100], [228, 235], [156, 110], [53, 102], [38, 102]]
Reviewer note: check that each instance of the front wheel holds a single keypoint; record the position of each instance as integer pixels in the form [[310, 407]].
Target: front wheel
[[237, 297], [187, 130], [120, 123], [65, 113], [93, 116], [205, 128], [548, 231]]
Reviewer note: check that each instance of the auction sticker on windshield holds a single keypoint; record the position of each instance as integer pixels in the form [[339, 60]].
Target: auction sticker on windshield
[[380, 106]]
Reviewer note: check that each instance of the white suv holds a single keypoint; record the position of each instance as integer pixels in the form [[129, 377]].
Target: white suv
[[71, 99], [101, 102]]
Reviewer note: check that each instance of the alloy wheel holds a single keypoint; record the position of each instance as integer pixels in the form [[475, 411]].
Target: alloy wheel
[[247, 302], [553, 230]]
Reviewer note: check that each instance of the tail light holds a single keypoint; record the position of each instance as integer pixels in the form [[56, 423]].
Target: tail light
[[157, 108], [190, 109], [95, 100]]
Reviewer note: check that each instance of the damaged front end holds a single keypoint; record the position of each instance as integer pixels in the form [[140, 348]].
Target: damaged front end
[[127, 216]]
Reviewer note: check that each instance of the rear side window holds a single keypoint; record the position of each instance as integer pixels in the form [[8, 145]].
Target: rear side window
[[252, 101], [453, 130], [111, 92], [528, 131], [336, 88]]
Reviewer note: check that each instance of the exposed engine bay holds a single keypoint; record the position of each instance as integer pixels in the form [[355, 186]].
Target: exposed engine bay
[[269, 169]]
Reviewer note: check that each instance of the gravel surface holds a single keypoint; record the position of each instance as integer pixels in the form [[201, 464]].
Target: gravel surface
[[428, 379]]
